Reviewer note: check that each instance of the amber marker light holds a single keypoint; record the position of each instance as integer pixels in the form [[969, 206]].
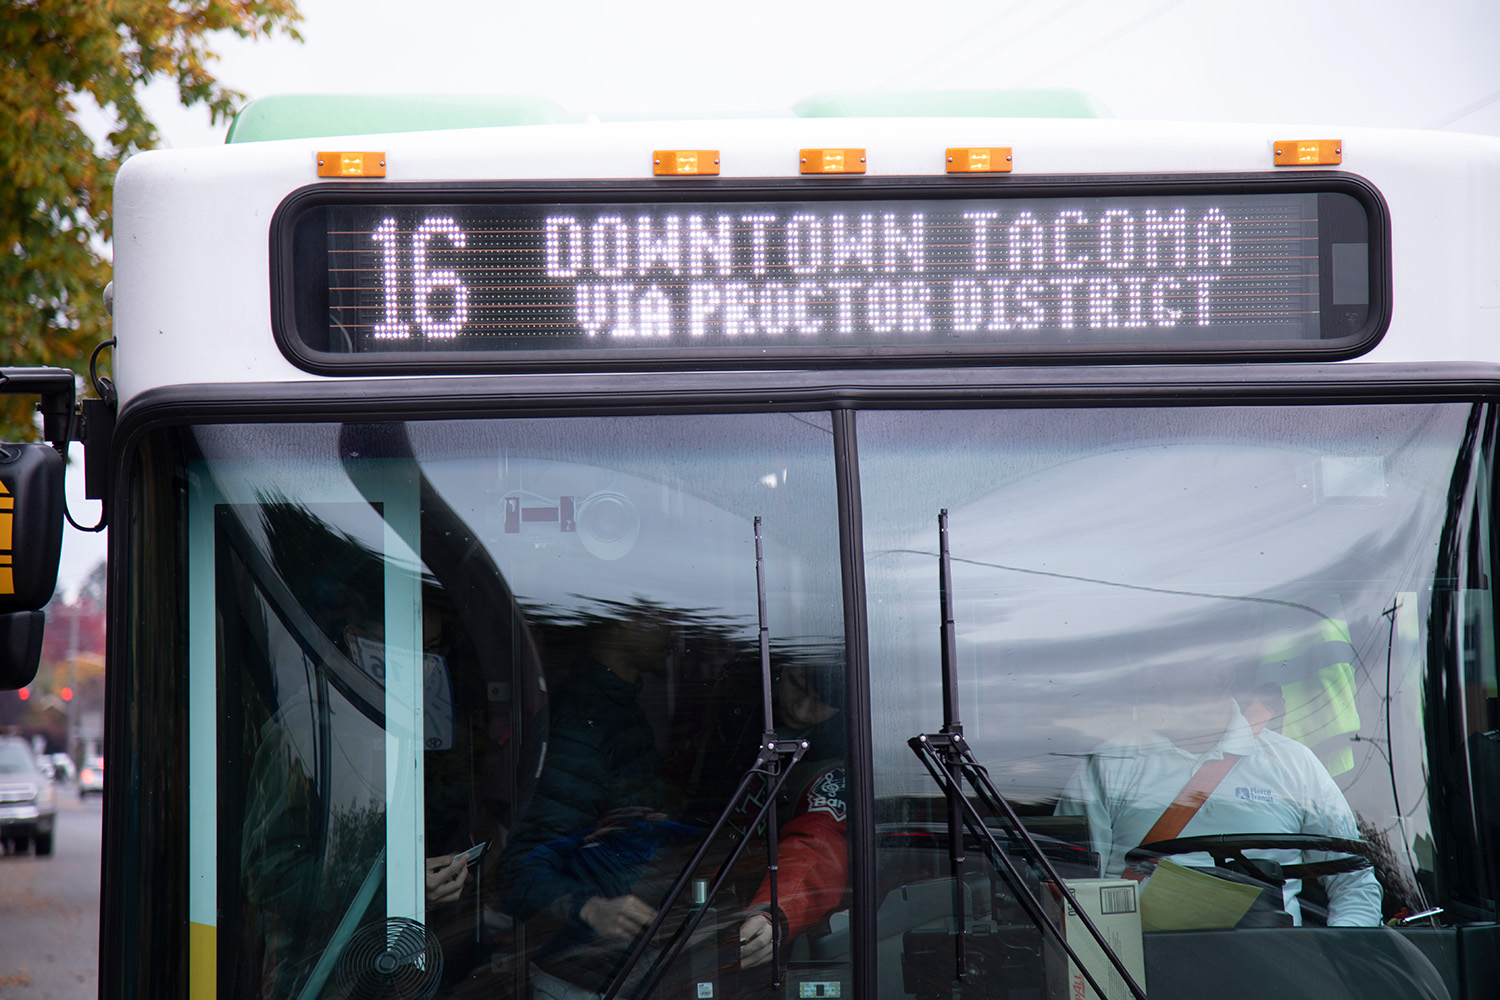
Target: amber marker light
[[978, 159], [833, 161], [685, 162], [1309, 152], [347, 164]]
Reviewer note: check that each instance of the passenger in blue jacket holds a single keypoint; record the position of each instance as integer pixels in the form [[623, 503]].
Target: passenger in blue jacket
[[596, 819]]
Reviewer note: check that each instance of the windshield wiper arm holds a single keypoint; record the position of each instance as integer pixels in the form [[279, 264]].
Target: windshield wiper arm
[[948, 759], [774, 761], [941, 753]]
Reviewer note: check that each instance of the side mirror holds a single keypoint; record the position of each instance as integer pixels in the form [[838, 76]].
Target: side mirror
[[20, 648], [31, 519], [31, 523]]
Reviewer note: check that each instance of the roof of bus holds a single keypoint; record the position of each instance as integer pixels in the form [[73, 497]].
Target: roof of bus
[[186, 219], [303, 116]]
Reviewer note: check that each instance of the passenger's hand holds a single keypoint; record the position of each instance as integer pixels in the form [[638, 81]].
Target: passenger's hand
[[446, 876], [755, 940], [618, 919]]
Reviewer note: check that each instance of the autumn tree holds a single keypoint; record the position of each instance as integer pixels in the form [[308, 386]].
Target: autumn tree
[[58, 60]]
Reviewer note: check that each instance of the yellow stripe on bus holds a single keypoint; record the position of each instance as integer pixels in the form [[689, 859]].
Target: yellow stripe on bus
[[203, 961]]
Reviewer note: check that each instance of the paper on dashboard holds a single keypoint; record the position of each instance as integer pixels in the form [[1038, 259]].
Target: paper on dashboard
[[1178, 898]]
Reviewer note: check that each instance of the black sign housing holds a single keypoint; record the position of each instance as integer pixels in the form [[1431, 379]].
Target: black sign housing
[[712, 274]]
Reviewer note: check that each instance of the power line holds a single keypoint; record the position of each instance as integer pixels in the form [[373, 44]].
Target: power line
[[1465, 111], [1107, 39], [977, 35], [976, 38]]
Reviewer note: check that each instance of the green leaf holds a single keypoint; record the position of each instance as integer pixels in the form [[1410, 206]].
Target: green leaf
[[56, 188]]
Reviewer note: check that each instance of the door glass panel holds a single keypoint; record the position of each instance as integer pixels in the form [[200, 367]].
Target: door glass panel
[[467, 697], [1256, 611]]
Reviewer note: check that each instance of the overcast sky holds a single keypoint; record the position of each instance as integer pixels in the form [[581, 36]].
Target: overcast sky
[[1350, 62], [1335, 62]]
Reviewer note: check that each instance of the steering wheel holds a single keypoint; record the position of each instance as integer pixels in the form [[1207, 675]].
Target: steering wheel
[[1228, 851]]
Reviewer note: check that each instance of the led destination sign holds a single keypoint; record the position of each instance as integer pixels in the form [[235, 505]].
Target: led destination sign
[[904, 276]]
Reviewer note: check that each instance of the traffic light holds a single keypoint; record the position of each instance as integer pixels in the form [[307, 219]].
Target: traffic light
[[24, 693], [66, 694]]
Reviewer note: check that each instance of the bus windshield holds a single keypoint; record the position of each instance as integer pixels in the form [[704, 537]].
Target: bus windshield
[[464, 696], [1220, 633]]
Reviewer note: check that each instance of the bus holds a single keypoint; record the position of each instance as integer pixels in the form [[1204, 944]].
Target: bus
[[954, 554]]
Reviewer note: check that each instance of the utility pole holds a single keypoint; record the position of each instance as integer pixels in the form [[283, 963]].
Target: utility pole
[[69, 716]]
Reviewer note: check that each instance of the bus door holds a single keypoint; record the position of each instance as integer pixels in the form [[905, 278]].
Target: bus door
[[307, 691]]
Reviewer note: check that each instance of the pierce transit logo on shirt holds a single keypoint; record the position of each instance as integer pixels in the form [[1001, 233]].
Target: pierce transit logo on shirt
[[1252, 794]]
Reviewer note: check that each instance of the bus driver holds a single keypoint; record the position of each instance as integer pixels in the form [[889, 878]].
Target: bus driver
[[1191, 765]]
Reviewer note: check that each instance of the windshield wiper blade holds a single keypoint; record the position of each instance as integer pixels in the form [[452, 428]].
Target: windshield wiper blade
[[949, 760], [774, 761]]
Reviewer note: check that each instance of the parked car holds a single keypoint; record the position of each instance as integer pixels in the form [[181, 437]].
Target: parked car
[[28, 805], [91, 777]]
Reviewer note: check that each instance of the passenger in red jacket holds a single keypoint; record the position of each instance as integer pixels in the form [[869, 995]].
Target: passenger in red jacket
[[813, 854]]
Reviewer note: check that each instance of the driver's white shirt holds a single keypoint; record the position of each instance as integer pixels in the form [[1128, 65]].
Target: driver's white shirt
[[1278, 786]]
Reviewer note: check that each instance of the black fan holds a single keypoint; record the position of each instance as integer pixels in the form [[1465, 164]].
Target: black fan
[[397, 960]]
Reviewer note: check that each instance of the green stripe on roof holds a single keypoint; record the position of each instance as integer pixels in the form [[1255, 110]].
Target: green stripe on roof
[[1038, 103], [302, 116]]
